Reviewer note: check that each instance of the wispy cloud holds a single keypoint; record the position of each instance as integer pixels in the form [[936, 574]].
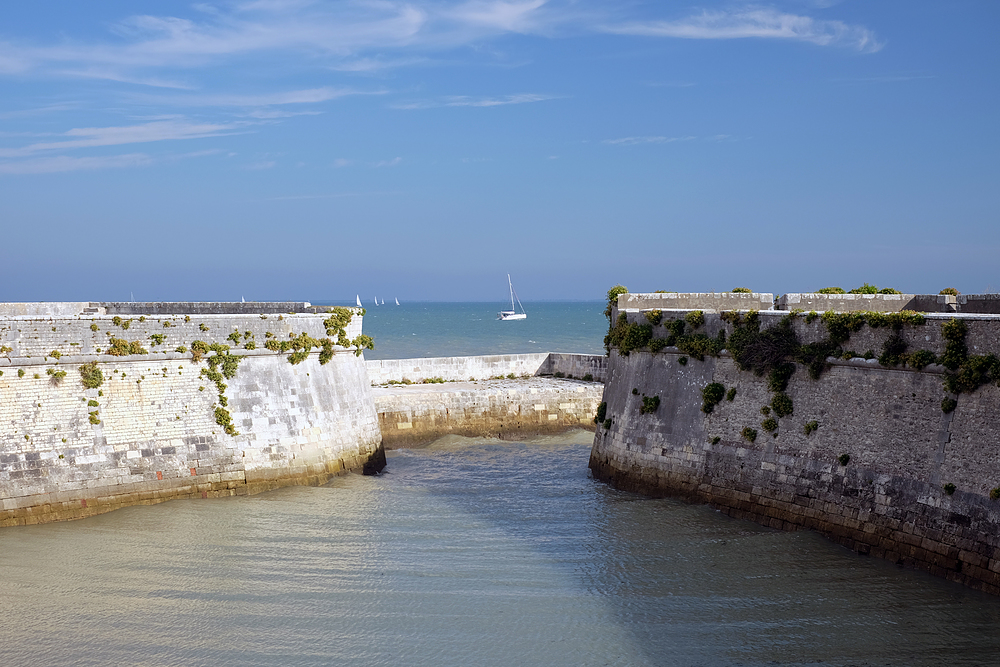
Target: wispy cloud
[[279, 98], [636, 141], [37, 111], [260, 166], [886, 79], [63, 163], [756, 22], [88, 137], [389, 163], [469, 101]]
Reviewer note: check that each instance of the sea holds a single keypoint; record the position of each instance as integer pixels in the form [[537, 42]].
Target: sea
[[463, 329], [469, 552]]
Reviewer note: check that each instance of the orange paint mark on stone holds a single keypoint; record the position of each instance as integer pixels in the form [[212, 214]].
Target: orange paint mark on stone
[[192, 472], [204, 494], [83, 503], [159, 475]]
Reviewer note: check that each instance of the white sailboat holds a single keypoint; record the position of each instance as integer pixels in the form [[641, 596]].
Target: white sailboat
[[376, 301], [357, 297], [383, 302], [512, 314], [397, 301]]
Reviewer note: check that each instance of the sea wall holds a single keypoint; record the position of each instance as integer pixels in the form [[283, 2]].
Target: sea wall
[[152, 430], [413, 415], [485, 367], [866, 453]]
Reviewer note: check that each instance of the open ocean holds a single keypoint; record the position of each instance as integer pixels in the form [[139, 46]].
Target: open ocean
[[432, 329]]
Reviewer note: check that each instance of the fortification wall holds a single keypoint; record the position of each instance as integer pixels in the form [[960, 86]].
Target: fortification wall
[[873, 474], [413, 415], [485, 367], [881, 303], [32, 338], [696, 301], [150, 432]]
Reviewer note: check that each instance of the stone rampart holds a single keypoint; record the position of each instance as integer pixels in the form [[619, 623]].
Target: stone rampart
[[152, 430], [978, 303], [485, 367], [880, 303], [413, 415], [866, 453], [696, 301]]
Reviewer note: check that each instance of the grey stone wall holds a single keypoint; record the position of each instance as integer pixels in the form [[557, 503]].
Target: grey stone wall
[[157, 436], [879, 303], [413, 415], [696, 301], [889, 500]]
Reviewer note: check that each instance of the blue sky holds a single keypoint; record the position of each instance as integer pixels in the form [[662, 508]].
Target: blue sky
[[314, 150]]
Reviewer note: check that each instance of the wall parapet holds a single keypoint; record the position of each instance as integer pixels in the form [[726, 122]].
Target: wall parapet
[[812, 301], [696, 301], [875, 303]]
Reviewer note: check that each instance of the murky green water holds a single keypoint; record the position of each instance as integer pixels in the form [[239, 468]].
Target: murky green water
[[467, 553]]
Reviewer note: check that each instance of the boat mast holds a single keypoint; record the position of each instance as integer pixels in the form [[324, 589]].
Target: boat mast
[[511, 293]]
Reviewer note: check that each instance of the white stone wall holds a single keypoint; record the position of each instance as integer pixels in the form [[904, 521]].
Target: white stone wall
[[158, 437]]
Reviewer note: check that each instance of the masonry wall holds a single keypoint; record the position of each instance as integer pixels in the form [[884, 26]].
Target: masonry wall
[[889, 500], [157, 436], [485, 367], [413, 415]]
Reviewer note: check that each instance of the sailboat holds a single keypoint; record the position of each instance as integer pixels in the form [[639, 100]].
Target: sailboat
[[397, 300], [357, 297], [376, 301], [512, 314], [383, 302]]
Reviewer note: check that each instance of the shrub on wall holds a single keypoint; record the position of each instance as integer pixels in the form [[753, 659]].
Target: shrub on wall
[[748, 434], [711, 396], [742, 290], [782, 405]]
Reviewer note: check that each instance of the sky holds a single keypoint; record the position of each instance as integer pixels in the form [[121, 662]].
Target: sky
[[423, 150]]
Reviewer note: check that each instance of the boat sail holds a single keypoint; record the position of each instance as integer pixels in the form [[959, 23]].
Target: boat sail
[[512, 314], [357, 297], [397, 301]]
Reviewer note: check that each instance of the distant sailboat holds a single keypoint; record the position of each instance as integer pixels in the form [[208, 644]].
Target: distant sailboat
[[512, 314], [357, 297], [383, 302], [376, 301], [397, 301]]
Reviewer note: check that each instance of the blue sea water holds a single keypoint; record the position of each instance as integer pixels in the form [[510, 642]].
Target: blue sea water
[[432, 329]]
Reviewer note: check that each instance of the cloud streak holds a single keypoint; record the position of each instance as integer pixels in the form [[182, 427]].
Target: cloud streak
[[469, 101], [168, 130], [759, 23], [638, 141], [373, 35], [63, 163]]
